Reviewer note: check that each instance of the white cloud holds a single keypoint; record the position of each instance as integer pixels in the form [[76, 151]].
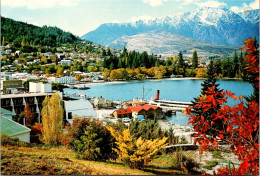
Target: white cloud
[[154, 3], [214, 4], [39, 4], [244, 7], [255, 4]]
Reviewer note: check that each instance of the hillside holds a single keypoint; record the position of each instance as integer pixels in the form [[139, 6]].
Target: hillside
[[212, 25], [167, 44], [16, 31]]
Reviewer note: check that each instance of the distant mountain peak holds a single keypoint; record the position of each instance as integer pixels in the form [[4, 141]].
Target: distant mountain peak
[[219, 26]]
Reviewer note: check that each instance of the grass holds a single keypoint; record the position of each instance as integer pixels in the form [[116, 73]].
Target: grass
[[210, 164], [217, 154], [56, 161]]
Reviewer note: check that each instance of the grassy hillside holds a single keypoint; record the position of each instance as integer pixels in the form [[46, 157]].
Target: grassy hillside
[[56, 161], [16, 31]]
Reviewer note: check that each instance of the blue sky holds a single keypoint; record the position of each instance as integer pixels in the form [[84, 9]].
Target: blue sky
[[82, 16]]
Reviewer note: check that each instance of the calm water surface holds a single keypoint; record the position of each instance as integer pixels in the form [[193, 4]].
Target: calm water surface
[[178, 90]]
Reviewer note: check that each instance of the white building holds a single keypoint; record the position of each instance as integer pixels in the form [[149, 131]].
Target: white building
[[63, 80], [65, 62], [79, 107], [39, 87]]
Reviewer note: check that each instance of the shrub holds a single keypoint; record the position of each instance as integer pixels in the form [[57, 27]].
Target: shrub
[[89, 139], [182, 161], [217, 154]]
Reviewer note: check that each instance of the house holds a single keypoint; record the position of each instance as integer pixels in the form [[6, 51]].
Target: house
[[19, 61], [14, 129], [18, 52], [100, 102], [121, 113], [63, 80], [79, 107], [8, 114], [148, 111], [65, 62]]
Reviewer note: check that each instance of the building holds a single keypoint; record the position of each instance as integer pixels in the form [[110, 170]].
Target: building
[[14, 129], [39, 87], [63, 80], [148, 111], [10, 84], [65, 62], [80, 108], [121, 113], [8, 114], [17, 102], [100, 102]]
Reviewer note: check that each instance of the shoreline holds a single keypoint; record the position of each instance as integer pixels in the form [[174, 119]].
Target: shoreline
[[163, 79]]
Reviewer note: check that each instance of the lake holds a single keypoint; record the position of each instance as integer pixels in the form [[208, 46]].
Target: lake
[[177, 90]]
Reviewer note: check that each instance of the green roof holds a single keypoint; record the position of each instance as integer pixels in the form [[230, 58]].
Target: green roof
[[5, 111], [11, 128]]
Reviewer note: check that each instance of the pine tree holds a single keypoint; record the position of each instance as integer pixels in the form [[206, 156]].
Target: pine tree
[[194, 60], [209, 82], [235, 64], [52, 116], [181, 61], [120, 65]]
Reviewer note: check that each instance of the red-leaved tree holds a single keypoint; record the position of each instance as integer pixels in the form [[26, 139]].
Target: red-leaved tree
[[29, 115], [240, 122]]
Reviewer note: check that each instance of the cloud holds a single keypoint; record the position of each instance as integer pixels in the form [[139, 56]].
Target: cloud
[[244, 7], [39, 4], [255, 4], [154, 3], [214, 4]]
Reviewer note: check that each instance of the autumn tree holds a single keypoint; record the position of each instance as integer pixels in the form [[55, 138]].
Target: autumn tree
[[135, 153], [52, 116], [60, 71], [240, 122], [29, 115]]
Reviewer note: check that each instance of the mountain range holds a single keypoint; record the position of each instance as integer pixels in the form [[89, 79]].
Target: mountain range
[[215, 26]]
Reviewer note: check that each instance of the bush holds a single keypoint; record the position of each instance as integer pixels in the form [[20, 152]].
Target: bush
[[89, 139], [182, 161], [7, 141]]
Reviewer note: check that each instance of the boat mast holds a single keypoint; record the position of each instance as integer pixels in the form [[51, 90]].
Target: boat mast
[[143, 92]]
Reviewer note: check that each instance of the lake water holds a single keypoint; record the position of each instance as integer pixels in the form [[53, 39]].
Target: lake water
[[177, 90]]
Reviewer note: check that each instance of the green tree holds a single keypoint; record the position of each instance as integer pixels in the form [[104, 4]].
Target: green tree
[[195, 61], [217, 66], [52, 119], [235, 64], [209, 82]]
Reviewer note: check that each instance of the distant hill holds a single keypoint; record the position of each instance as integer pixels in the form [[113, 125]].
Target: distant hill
[[167, 44], [16, 31], [217, 26]]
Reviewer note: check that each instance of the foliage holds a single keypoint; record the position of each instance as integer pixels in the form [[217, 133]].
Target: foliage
[[29, 116], [52, 116], [20, 32], [89, 139], [240, 122], [135, 153], [210, 164], [182, 161], [201, 73], [217, 154], [36, 132], [195, 62], [8, 141]]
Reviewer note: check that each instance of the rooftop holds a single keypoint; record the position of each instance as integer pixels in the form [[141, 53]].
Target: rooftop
[[5, 111], [11, 128], [24, 95]]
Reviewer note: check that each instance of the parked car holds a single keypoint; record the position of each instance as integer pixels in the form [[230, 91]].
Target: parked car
[[126, 120]]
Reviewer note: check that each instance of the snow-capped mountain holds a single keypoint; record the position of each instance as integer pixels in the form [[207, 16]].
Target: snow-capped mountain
[[213, 25]]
